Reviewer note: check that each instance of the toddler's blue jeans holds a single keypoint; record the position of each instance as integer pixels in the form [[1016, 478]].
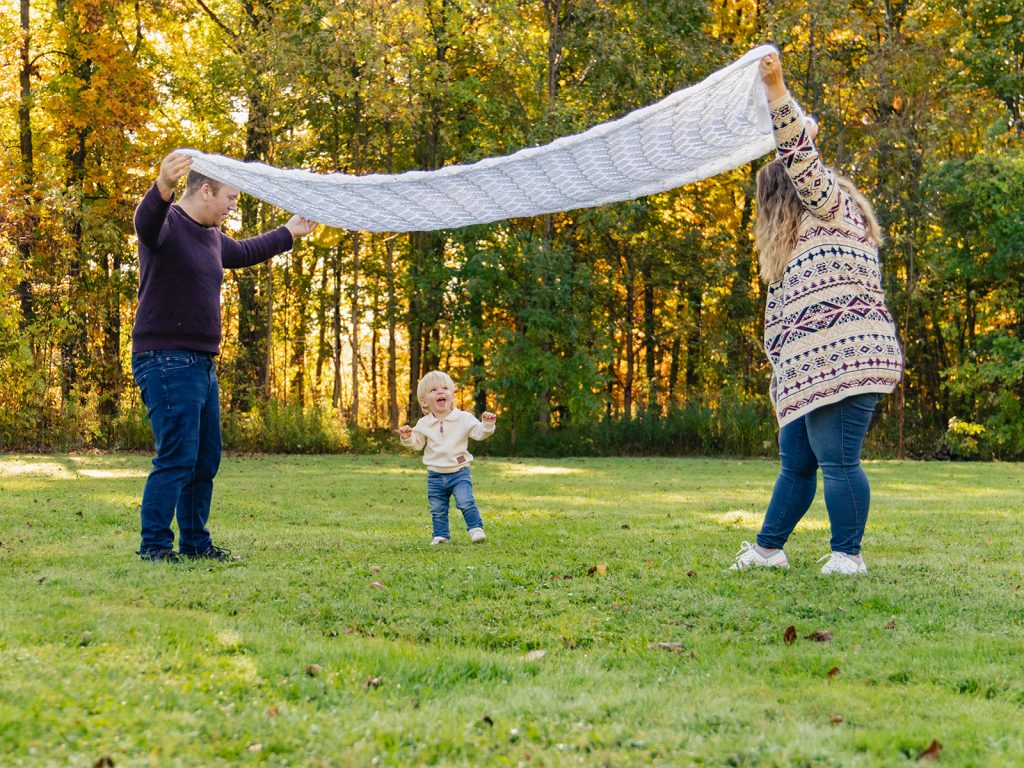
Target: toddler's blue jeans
[[441, 486]]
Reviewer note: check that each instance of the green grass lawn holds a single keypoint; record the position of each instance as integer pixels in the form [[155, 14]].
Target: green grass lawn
[[539, 647]]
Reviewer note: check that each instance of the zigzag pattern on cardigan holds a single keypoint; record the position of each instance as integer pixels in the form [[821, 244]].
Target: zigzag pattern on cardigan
[[827, 332], [820, 397]]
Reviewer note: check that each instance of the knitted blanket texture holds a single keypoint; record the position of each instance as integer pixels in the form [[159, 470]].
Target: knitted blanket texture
[[698, 132]]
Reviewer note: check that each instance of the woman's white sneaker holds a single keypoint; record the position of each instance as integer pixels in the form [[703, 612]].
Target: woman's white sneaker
[[477, 534], [841, 562], [749, 557]]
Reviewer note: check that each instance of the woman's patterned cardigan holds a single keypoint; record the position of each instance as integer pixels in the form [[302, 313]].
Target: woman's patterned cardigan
[[827, 331]]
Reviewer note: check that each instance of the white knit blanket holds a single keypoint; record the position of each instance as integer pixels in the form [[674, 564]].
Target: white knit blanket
[[711, 127]]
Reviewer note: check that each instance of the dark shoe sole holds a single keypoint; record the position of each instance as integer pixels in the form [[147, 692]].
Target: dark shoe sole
[[162, 556], [218, 556]]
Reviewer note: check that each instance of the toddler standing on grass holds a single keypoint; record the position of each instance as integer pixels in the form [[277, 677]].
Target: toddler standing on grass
[[445, 431]]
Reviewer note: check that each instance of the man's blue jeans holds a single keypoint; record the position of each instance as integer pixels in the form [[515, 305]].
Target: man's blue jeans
[[441, 486], [829, 437], [179, 389]]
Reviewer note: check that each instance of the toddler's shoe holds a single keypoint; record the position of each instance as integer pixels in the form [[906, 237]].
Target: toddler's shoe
[[477, 534], [748, 557], [437, 540]]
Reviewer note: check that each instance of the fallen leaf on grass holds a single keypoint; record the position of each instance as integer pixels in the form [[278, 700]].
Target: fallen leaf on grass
[[373, 682], [600, 569], [377, 585], [624, 527], [563, 577], [314, 669], [931, 753], [691, 574], [104, 762], [673, 647], [374, 569], [487, 719], [821, 636], [789, 636], [257, 747], [890, 624], [536, 655], [832, 673], [273, 711], [835, 719]]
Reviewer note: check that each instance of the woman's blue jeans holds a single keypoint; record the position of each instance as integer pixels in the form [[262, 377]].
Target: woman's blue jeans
[[829, 437], [179, 389], [441, 486]]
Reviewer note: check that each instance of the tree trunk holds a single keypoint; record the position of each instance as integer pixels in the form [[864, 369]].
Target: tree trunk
[[693, 339], [322, 350], [298, 360], [336, 331], [392, 343], [374, 328], [650, 338], [251, 365], [354, 338], [27, 171]]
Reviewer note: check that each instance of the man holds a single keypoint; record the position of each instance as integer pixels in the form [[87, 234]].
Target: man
[[182, 257]]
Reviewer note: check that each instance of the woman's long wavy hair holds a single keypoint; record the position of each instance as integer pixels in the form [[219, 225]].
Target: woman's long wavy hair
[[779, 210]]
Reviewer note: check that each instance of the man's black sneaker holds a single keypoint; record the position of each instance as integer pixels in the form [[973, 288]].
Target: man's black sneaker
[[160, 556], [212, 552]]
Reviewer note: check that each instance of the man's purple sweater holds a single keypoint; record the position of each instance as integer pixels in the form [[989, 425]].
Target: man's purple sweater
[[181, 268]]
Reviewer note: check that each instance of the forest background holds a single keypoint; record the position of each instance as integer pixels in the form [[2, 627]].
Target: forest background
[[629, 328]]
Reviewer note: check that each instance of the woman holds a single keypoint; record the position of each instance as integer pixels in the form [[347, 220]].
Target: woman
[[830, 338]]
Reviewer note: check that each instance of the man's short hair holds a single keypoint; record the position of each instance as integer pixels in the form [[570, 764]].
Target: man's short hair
[[196, 180]]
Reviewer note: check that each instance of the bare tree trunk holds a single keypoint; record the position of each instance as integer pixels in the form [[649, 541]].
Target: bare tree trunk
[[73, 343], [27, 234], [336, 332], [626, 259], [268, 365], [252, 368], [298, 359], [627, 388], [392, 344], [109, 378], [650, 338], [374, 404], [354, 338], [693, 339], [321, 346]]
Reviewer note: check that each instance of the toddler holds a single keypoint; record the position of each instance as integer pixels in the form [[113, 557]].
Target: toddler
[[445, 431]]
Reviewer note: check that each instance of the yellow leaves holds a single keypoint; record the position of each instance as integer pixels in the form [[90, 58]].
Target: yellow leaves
[[326, 237]]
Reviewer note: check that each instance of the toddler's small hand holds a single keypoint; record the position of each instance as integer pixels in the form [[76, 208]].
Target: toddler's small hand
[[405, 431], [488, 416]]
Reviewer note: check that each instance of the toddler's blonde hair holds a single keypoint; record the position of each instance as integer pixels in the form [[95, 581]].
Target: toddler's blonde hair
[[429, 379]]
